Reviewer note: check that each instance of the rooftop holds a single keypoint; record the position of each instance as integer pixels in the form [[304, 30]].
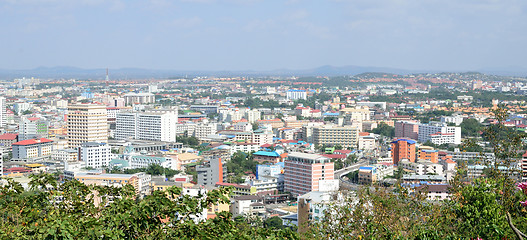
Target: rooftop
[[32, 141], [267, 154]]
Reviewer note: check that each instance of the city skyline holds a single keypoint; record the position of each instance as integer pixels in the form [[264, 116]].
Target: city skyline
[[233, 35]]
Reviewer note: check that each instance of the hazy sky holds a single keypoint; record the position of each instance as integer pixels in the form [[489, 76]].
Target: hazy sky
[[263, 34]]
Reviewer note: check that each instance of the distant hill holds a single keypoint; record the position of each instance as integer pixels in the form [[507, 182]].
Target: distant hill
[[131, 73]]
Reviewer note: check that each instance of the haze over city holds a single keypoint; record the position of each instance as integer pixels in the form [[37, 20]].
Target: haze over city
[[236, 35]]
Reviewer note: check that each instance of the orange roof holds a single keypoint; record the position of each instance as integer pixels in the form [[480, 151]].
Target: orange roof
[[364, 134]]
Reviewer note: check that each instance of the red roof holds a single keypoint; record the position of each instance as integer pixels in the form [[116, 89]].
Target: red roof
[[8, 136], [33, 119], [525, 154], [336, 156], [33, 141], [343, 151]]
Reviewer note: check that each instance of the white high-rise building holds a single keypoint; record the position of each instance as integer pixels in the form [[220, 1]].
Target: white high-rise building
[[153, 126], [95, 155], [252, 115], [87, 123], [32, 127], [3, 118], [429, 131], [295, 94], [203, 130]]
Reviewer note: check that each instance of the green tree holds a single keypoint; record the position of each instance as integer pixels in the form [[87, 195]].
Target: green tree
[[471, 127], [71, 210], [385, 130], [274, 223]]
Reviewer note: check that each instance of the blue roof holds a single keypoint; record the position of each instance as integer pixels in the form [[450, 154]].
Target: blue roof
[[267, 154], [429, 151], [366, 168], [407, 140], [330, 114]]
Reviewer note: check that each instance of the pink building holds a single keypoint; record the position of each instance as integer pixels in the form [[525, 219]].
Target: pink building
[[407, 129], [303, 171]]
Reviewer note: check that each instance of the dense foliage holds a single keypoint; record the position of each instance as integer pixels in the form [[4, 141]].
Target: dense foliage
[[73, 210], [239, 165], [385, 130]]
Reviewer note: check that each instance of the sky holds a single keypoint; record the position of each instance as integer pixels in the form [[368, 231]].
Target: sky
[[455, 35]]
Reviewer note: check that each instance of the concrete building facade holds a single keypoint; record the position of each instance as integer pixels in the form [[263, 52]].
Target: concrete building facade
[[303, 171], [86, 123]]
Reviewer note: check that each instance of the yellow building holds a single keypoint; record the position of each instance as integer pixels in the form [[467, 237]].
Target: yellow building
[[87, 123], [333, 135]]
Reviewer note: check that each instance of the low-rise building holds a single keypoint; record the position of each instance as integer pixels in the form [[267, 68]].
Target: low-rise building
[[32, 149], [249, 205], [140, 181], [422, 167], [435, 191], [374, 173], [7, 140], [269, 157]]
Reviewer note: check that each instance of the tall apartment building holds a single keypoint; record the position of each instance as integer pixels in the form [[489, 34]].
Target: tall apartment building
[[211, 172], [523, 166], [141, 98], [3, 113], [32, 127], [429, 155], [360, 113], [303, 172], [403, 149], [86, 123], [407, 129], [95, 155], [252, 115], [295, 94], [426, 132], [333, 135], [152, 126], [203, 130]]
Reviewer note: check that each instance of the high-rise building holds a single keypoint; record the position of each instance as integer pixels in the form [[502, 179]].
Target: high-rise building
[[3, 118], [429, 155], [403, 149], [211, 172], [32, 127], [95, 155], [359, 113], [153, 126], [141, 98], [303, 172], [295, 94], [87, 123], [252, 115], [407, 129], [333, 135], [523, 166], [447, 134]]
